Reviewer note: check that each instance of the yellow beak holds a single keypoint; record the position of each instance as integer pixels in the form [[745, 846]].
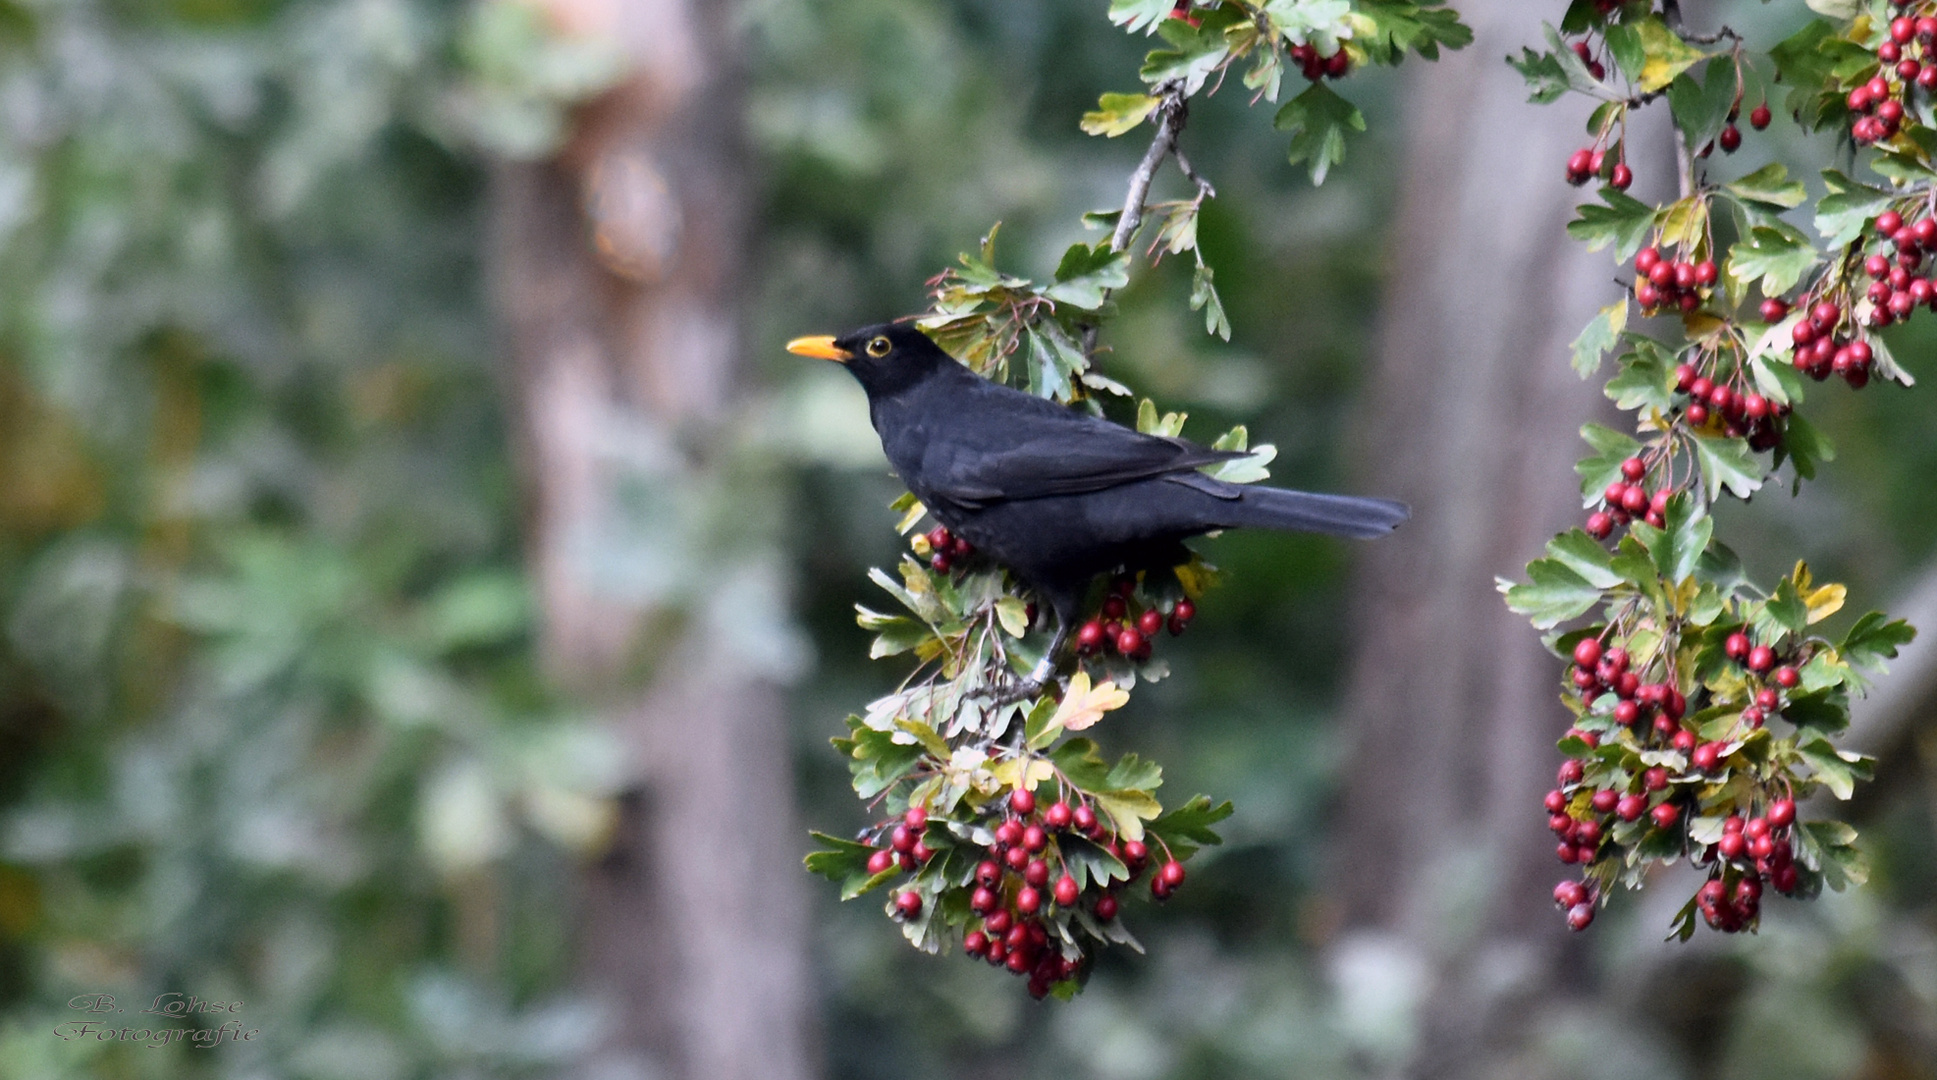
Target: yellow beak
[[822, 347]]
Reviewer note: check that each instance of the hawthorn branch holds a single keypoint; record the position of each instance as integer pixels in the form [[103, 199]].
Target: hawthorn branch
[[1175, 109]]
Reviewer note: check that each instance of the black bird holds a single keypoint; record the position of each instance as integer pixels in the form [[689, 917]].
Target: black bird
[[1057, 495]]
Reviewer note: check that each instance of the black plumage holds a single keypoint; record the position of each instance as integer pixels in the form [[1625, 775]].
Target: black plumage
[[1056, 495]]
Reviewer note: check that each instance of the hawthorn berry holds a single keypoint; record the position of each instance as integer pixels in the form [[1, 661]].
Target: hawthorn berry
[[1036, 873], [1665, 815], [983, 900], [1023, 802], [1781, 813], [1788, 677], [1066, 891], [1089, 637], [975, 943], [1604, 800], [1106, 907], [1171, 874], [1058, 815], [1761, 658], [1083, 817], [880, 861], [908, 904], [1150, 622], [1621, 178], [988, 874], [1760, 116], [1035, 838], [1731, 139], [1580, 916], [1028, 900]]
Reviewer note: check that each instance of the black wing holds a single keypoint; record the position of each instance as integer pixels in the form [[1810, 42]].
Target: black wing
[[1003, 444]]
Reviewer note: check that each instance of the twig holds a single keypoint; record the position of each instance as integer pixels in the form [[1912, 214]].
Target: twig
[[1162, 145]]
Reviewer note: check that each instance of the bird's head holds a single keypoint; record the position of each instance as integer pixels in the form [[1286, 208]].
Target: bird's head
[[886, 358]]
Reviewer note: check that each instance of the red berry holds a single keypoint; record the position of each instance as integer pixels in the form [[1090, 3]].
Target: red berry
[[1028, 900], [1580, 916], [1604, 801], [880, 861], [1571, 771], [1759, 116], [1036, 873], [1825, 314], [1587, 652], [1083, 817], [1150, 622], [1057, 816], [1730, 139], [1622, 177], [908, 904], [1888, 222], [987, 873], [916, 818], [1128, 641], [1761, 658], [983, 900], [1089, 637], [1774, 310], [1556, 801], [1022, 801], [1655, 778], [1114, 607], [1016, 857], [1782, 812], [940, 562], [1172, 874], [1106, 907], [1737, 645], [1665, 815], [975, 943], [1787, 677], [1631, 807], [903, 838], [1902, 29], [1767, 700], [1569, 893], [1706, 757], [1645, 259], [1599, 525], [1066, 891], [1034, 838], [1579, 166], [1684, 740]]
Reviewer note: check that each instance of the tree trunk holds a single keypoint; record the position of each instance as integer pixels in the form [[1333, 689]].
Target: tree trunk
[[1474, 414], [617, 266]]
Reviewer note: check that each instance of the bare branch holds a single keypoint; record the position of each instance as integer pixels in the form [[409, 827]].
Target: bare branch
[[1174, 110]]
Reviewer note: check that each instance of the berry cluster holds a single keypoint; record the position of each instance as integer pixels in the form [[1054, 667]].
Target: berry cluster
[[1879, 103], [1118, 628], [1022, 878], [1895, 291], [1597, 808], [1592, 161], [1821, 351], [1661, 283], [944, 549], [1316, 67]]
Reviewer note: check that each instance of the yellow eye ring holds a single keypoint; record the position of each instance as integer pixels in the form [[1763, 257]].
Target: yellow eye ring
[[879, 347]]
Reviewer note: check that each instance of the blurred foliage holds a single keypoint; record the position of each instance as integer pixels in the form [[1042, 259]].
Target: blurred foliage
[[273, 731], [270, 728]]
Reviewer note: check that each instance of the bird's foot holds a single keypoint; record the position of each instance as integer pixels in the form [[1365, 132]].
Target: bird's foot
[[1025, 688]]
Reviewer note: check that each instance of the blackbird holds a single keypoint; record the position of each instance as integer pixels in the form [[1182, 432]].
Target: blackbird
[[1056, 495]]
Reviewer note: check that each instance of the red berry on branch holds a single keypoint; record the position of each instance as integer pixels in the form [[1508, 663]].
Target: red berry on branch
[[1023, 802], [1731, 845], [1016, 857], [1665, 816], [1927, 78], [1579, 167], [1737, 645], [1706, 757], [1645, 259], [1129, 641], [1655, 778], [1622, 177], [1782, 813], [1114, 607], [1338, 64], [983, 900], [1626, 713], [1571, 772], [1587, 651], [1106, 907], [1787, 677], [1604, 800], [1599, 525], [1150, 622], [1580, 916], [1171, 874], [1556, 801], [940, 562], [1569, 893], [1888, 222], [1028, 900], [1036, 873], [1630, 807], [975, 943], [908, 904], [1759, 116], [1774, 310], [1034, 839], [1083, 817], [1057, 816], [1761, 658], [1902, 29], [1066, 891], [1633, 469], [1730, 140], [1684, 740], [880, 861]]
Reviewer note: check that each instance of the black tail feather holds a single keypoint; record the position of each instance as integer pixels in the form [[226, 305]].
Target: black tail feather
[[1308, 511]]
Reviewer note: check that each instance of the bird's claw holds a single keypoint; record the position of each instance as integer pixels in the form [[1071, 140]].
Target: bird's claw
[[1019, 690]]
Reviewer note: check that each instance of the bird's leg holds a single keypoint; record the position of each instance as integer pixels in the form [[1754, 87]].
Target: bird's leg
[[1044, 671]]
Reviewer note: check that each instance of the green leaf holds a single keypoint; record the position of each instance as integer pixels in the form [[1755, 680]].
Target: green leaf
[[1664, 55], [1770, 185], [1805, 445], [1553, 593], [1842, 862], [1135, 15], [1544, 75], [1886, 363], [1037, 731], [1842, 214], [1188, 827], [1318, 120], [1118, 113], [1054, 360], [1013, 614], [838, 859], [1786, 607], [1837, 769], [1086, 274], [1599, 336], [1585, 556], [1875, 638], [1727, 463], [1776, 257], [1624, 41], [1203, 295], [1618, 219], [1646, 381], [1387, 29], [1601, 470], [1133, 773], [1198, 53], [1677, 546], [1700, 109]]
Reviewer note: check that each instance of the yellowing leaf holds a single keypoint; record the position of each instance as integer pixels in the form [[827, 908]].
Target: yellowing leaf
[[1666, 54], [1118, 113], [1013, 614], [1084, 705], [1129, 810], [1824, 602], [1011, 774]]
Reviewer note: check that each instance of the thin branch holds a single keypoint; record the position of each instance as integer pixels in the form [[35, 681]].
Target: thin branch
[[1164, 144], [1204, 188]]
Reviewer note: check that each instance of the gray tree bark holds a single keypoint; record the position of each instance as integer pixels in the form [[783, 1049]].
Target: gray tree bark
[[617, 268], [1473, 418]]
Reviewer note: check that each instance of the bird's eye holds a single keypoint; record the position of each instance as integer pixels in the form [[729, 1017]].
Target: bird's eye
[[879, 347]]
